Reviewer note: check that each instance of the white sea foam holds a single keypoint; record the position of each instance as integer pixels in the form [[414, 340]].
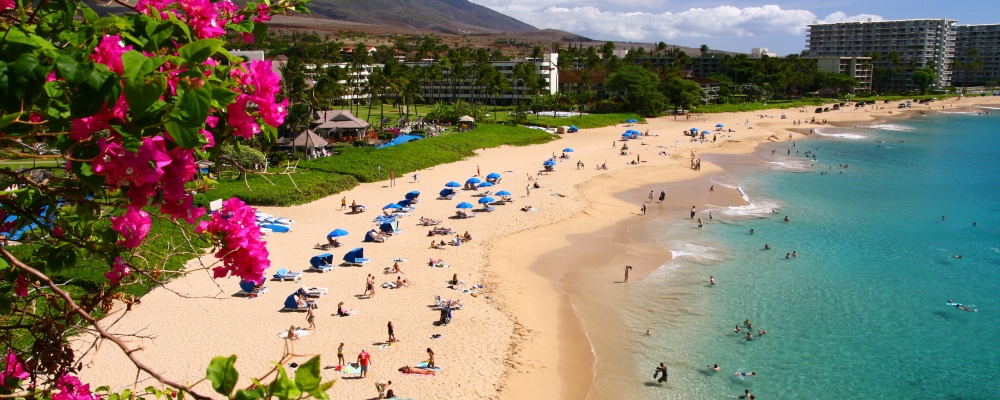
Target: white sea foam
[[988, 107], [791, 165], [692, 252], [891, 127], [959, 112], [757, 208], [844, 135]]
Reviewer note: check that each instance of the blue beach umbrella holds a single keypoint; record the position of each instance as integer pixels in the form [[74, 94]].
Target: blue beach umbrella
[[631, 121], [694, 129], [549, 163], [393, 206], [719, 125], [626, 135], [337, 233], [486, 200], [453, 184], [493, 175], [567, 150], [503, 193], [464, 205], [486, 184], [473, 180]]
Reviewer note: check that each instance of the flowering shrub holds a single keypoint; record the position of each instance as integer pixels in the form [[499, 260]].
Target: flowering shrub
[[126, 105]]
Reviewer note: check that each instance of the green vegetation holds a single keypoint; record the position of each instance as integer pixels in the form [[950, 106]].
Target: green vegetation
[[585, 121], [277, 189], [362, 162]]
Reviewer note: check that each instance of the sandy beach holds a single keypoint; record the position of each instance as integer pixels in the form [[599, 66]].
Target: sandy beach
[[516, 337]]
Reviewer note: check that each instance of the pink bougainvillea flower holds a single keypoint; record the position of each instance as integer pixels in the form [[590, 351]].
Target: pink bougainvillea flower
[[247, 37], [237, 237], [244, 124], [13, 371], [138, 172], [209, 138], [70, 388], [7, 4], [109, 52], [84, 127], [262, 15], [133, 225], [119, 270], [21, 286]]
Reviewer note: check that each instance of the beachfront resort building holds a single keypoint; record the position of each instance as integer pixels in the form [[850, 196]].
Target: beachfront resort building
[[977, 55], [450, 88], [859, 68], [919, 43]]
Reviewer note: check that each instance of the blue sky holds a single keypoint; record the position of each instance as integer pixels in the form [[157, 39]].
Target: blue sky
[[725, 25]]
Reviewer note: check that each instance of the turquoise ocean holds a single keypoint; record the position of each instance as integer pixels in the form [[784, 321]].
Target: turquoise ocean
[[861, 313]]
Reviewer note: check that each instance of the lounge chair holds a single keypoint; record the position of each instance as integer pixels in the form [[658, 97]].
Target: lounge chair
[[454, 304], [321, 263], [286, 275], [314, 292], [356, 257], [428, 221], [463, 214], [489, 208], [292, 305], [374, 236], [390, 228], [251, 289]]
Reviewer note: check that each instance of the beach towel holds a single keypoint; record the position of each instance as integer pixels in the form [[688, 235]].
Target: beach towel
[[423, 365], [351, 368], [300, 332]]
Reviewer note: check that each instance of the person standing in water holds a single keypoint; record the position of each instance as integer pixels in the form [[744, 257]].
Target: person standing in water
[[650, 196], [711, 280], [662, 372], [663, 195], [627, 268], [692, 212]]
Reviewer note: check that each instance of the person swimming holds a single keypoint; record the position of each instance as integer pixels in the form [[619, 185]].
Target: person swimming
[[746, 374], [713, 368]]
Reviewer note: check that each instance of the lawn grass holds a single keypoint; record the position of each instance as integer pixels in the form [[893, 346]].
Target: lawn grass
[[278, 189], [363, 162], [584, 121]]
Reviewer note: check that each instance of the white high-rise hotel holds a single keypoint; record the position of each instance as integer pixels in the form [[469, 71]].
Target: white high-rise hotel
[[919, 43]]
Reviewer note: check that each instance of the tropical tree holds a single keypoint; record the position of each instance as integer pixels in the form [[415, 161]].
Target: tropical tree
[[923, 78], [682, 93], [128, 103]]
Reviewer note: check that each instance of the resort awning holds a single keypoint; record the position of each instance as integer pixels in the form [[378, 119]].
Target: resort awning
[[308, 138]]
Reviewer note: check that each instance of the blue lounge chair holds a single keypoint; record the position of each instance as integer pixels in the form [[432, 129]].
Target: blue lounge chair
[[447, 194], [356, 257], [321, 263], [391, 228], [374, 236], [286, 275], [291, 304], [251, 289], [279, 228]]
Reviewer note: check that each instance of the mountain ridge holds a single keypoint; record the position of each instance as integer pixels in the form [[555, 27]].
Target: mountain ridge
[[447, 16]]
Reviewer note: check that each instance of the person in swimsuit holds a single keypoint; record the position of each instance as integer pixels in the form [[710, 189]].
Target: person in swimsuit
[[662, 371], [430, 358], [340, 354], [392, 335]]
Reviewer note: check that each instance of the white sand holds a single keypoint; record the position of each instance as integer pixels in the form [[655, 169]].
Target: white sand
[[504, 343]]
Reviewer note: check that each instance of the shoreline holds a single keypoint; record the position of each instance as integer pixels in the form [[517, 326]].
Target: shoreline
[[518, 337]]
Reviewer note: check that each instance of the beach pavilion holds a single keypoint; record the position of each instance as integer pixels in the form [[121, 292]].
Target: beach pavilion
[[339, 123], [466, 122]]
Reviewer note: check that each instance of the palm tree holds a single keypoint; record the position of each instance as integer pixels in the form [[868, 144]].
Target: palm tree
[[497, 84]]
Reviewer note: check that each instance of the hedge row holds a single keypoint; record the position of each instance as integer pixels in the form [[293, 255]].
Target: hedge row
[[279, 191]]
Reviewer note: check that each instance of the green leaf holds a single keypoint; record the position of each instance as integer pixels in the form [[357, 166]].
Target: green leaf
[[195, 103], [70, 70], [200, 50], [136, 65], [222, 373], [222, 96], [90, 15], [249, 394], [284, 388], [143, 94], [259, 33], [307, 376], [185, 136], [8, 119]]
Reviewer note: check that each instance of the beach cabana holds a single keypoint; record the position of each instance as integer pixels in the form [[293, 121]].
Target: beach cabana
[[373, 236], [356, 257], [412, 195], [405, 203], [251, 289], [291, 304], [308, 139], [391, 227], [447, 194], [321, 263], [340, 122], [465, 123]]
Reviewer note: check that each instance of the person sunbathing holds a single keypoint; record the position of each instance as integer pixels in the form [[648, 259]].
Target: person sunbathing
[[402, 282], [467, 237], [434, 245], [340, 310], [448, 302], [411, 370], [292, 335], [394, 269], [333, 241]]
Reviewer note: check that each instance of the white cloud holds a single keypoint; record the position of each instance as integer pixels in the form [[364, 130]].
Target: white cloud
[[721, 21]]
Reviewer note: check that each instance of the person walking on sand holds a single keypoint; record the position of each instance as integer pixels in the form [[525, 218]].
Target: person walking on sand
[[643, 209], [392, 335], [477, 170], [663, 195], [343, 203], [363, 359], [662, 372], [310, 317], [416, 176], [627, 268], [650, 196], [340, 355]]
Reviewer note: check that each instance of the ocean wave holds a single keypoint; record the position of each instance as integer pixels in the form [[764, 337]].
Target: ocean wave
[[758, 208], [891, 127], [791, 165], [845, 135], [959, 112], [692, 252], [988, 107]]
